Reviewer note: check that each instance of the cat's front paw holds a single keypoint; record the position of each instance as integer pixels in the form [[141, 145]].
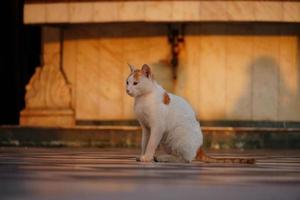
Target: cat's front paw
[[144, 159]]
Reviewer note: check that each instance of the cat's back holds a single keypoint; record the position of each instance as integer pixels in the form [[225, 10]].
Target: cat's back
[[180, 108], [181, 117]]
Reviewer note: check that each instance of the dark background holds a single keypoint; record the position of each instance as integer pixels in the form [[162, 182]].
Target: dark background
[[19, 55]]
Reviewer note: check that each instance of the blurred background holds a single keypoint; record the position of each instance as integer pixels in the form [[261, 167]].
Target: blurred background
[[63, 68], [64, 62], [20, 54]]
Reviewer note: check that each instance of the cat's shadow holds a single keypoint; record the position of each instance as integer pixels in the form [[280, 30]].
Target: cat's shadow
[[266, 95]]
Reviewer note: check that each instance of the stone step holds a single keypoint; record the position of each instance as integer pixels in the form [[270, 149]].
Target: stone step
[[130, 136]]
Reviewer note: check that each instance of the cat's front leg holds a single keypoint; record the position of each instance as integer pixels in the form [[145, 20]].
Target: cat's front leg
[[145, 138], [154, 140], [144, 142]]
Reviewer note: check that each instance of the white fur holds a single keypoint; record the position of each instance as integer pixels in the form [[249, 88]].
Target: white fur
[[172, 125]]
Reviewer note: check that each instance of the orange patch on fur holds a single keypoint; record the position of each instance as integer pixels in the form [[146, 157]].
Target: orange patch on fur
[[166, 98], [137, 74]]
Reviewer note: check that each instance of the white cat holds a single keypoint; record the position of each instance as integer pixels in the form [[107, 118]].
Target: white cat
[[167, 120]]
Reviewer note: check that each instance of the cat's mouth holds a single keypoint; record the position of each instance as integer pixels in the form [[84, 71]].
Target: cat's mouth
[[130, 94]]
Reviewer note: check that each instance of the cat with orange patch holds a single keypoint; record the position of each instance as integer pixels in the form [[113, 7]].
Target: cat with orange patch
[[167, 120]]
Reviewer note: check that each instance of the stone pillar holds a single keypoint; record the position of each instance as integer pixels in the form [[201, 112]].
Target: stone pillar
[[48, 93]]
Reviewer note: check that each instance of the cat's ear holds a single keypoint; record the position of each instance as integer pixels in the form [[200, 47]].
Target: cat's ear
[[146, 70], [132, 68]]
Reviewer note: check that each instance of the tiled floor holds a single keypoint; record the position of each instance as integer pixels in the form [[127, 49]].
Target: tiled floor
[[83, 173]]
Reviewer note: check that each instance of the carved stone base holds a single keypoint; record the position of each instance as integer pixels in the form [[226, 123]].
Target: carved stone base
[[47, 117]]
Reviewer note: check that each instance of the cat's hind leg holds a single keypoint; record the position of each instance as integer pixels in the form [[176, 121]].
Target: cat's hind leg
[[169, 158]]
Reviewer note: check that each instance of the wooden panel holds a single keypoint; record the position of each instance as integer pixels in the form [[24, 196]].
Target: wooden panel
[[239, 54], [212, 63], [265, 73]]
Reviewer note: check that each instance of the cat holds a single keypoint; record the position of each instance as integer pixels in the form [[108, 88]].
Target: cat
[[166, 120]]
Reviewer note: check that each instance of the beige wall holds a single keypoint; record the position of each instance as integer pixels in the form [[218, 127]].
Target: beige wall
[[96, 60], [226, 71], [246, 72], [91, 11]]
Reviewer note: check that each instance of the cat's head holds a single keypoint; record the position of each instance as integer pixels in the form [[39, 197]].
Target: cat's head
[[139, 81]]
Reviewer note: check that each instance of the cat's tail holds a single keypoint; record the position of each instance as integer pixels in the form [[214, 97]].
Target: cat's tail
[[201, 156]]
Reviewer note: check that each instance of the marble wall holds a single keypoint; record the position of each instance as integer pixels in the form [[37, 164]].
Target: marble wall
[[72, 11], [95, 60], [226, 71], [48, 99]]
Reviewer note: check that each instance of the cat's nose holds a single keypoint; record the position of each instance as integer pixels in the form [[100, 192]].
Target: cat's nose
[[127, 90]]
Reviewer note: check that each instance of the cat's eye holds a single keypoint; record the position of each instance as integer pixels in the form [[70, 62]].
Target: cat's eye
[[135, 83], [126, 82]]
